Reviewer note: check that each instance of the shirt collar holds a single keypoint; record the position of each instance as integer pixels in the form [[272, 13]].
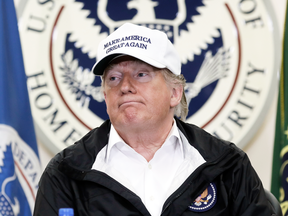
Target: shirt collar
[[114, 138]]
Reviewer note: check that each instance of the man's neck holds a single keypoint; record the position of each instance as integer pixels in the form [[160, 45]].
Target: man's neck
[[146, 141]]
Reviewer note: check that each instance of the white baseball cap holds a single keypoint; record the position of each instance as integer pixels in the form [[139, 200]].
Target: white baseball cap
[[150, 46]]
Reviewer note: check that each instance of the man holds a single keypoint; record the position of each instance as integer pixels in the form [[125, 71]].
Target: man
[[145, 161]]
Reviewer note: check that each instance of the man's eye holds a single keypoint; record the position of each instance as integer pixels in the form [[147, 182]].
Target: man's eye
[[142, 74], [112, 78]]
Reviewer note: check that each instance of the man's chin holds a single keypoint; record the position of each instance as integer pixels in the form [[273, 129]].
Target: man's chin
[[129, 122]]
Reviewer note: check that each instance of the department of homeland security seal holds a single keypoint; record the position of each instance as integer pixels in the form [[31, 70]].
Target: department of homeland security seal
[[20, 173], [228, 49]]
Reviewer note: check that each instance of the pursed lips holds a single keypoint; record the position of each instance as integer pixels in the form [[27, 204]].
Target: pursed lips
[[129, 102]]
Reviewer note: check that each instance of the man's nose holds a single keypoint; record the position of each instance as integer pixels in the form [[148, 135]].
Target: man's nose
[[127, 85]]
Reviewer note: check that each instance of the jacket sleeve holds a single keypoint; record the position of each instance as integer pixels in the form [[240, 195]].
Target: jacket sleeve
[[54, 192], [248, 194]]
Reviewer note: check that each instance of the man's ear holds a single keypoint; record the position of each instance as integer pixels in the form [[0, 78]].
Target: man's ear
[[176, 95]]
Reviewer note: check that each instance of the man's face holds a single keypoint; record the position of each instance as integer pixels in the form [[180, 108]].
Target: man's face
[[137, 95]]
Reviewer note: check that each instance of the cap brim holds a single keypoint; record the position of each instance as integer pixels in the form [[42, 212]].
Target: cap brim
[[99, 67]]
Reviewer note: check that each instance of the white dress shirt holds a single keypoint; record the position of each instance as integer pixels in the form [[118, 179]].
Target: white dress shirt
[[152, 181]]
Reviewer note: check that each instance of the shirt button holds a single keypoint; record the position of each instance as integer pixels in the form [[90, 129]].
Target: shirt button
[[152, 198], [149, 166]]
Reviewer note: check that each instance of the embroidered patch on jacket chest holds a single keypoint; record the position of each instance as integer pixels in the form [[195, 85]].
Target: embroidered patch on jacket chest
[[205, 201]]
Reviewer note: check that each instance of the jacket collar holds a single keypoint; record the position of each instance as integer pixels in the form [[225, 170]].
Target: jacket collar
[[212, 149], [215, 151], [78, 158]]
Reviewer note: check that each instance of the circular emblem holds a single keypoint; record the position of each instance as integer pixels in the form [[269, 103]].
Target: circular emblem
[[20, 173], [206, 200], [228, 51]]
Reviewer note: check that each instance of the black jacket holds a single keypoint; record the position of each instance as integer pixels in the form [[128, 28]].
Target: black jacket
[[68, 181]]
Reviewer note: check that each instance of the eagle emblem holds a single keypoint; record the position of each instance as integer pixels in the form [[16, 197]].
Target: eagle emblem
[[206, 200]]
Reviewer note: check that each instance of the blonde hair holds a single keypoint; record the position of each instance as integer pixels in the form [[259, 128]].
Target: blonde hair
[[181, 110]]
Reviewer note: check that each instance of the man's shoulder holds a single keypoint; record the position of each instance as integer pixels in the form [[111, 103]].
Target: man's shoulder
[[207, 144], [82, 153]]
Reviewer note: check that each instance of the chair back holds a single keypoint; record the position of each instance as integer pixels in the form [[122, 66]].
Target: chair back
[[274, 203]]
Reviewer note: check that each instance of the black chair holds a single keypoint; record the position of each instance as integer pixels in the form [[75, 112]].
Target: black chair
[[274, 203]]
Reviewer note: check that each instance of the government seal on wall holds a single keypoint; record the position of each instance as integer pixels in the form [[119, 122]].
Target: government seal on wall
[[229, 53]]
